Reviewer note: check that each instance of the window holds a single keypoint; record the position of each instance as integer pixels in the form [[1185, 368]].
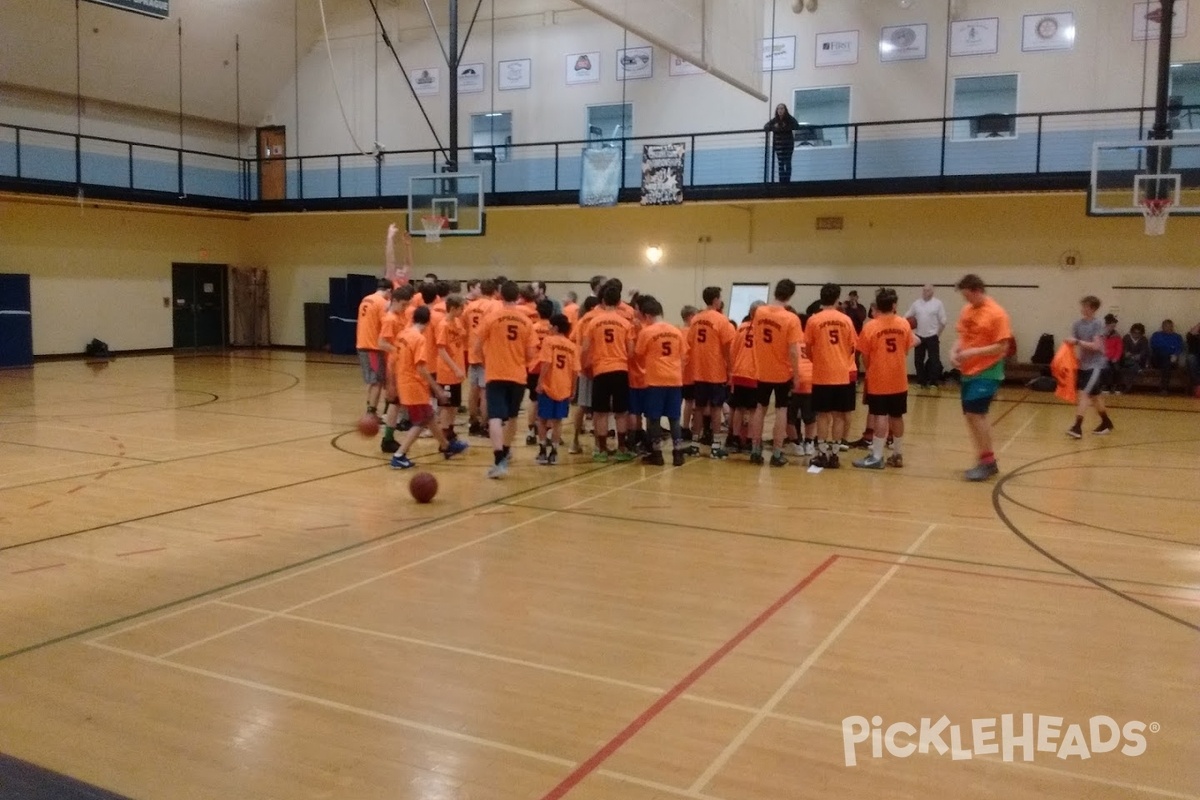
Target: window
[[823, 115], [491, 135], [1185, 92], [988, 102], [609, 122]]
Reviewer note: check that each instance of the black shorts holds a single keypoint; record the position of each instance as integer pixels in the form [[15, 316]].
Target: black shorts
[[837, 399], [782, 392], [454, 391], [610, 393], [504, 399], [887, 405], [711, 395], [1087, 381], [800, 410], [744, 397], [689, 391], [531, 383]]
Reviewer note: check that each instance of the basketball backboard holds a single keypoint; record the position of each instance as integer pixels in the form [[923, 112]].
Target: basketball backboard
[[458, 197], [1125, 177]]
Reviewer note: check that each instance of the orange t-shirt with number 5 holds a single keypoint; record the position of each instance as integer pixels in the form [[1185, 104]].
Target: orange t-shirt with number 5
[[559, 360], [831, 341], [885, 342], [660, 351], [506, 336]]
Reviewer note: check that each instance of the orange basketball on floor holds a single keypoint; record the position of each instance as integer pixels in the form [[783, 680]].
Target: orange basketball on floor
[[423, 487], [368, 425]]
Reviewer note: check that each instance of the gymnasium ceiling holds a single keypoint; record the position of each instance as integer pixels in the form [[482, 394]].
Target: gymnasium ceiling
[[133, 60]]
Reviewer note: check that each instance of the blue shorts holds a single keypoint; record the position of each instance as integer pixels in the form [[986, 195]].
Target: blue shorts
[[552, 410], [977, 395], [637, 402], [662, 401]]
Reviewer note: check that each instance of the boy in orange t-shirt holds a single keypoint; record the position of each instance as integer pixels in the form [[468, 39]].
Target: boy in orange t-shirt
[[605, 351], [710, 342], [450, 339], [984, 340], [687, 314], [415, 387], [831, 341], [504, 345], [541, 329], [660, 352], [884, 344], [777, 337], [743, 397], [583, 385], [473, 316], [802, 419], [391, 324], [559, 361]]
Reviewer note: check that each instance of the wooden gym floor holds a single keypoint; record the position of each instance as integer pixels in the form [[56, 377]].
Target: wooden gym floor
[[213, 588]]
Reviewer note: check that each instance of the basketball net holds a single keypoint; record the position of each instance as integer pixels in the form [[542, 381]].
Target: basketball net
[[1155, 213], [433, 226]]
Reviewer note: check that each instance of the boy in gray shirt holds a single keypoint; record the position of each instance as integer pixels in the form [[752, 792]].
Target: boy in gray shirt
[[1087, 335]]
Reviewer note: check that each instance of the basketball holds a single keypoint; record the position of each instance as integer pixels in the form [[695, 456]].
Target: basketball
[[368, 425], [912, 322], [423, 487]]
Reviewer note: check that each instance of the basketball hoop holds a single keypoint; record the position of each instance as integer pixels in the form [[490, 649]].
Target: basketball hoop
[[1155, 213], [433, 225]]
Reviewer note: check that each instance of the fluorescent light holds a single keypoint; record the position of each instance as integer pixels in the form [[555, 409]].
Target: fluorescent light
[[1069, 33], [495, 114], [654, 254]]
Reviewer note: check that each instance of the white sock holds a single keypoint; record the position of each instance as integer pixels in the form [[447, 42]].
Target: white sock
[[877, 447], [897, 446]]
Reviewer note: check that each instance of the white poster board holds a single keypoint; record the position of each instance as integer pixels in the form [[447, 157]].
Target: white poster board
[[741, 295]]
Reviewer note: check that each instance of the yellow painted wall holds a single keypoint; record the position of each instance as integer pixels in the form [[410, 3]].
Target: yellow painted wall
[[1007, 239], [102, 272]]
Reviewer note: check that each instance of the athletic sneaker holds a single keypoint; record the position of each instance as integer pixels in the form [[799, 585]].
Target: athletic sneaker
[[834, 462], [530, 439], [756, 458], [895, 460], [1104, 429], [798, 449], [718, 452], [454, 448], [543, 457], [389, 445], [498, 470], [574, 449], [401, 461], [654, 459], [1075, 433], [819, 460], [810, 448], [692, 450], [552, 458], [843, 445], [981, 472], [778, 459], [860, 444], [870, 462], [600, 456], [677, 459], [624, 455]]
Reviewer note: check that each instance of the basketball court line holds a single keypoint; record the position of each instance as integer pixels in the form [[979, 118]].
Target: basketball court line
[[723, 758], [998, 495], [69, 450], [402, 568], [846, 546], [606, 751], [382, 539], [1106, 492], [1020, 430], [166, 461], [1060, 584], [421, 528]]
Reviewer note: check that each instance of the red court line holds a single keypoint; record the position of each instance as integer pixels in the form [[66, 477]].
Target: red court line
[[35, 569], [604, 753], [1012, 578]]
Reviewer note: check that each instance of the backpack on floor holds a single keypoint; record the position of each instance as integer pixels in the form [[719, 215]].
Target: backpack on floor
[[96, 349], [1044, 352]]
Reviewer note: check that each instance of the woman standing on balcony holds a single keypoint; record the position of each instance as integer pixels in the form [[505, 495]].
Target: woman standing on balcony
[[781, 127]]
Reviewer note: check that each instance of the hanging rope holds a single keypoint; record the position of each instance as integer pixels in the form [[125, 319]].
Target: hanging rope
[[388, 41], [333, 76]]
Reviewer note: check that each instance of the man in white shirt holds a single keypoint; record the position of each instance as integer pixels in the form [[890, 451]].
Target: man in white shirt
[[928, 316]]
